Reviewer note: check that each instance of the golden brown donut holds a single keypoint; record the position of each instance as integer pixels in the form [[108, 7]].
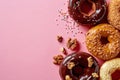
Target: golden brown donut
[[103, 41], [114, 13], [108, 68]]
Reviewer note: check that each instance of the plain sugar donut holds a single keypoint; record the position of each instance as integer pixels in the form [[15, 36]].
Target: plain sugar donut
[[114, 13], [103, 41], [108, 68]]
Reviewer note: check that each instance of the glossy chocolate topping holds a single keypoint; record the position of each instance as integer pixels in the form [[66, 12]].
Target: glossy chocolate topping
[[80, 70], [87, 12]]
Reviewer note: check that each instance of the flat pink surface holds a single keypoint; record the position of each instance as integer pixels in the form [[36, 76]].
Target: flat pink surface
[[28, 31]]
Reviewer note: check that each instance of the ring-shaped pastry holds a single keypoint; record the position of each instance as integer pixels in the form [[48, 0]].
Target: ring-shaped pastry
[[87, 12], [103, 41], [114, 13], [108, 68], [79, 66]]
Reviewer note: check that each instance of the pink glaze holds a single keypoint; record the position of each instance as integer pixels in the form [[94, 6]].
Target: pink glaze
[[28, 31]]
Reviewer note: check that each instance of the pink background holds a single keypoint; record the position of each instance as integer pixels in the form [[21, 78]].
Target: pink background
[[28, 31]]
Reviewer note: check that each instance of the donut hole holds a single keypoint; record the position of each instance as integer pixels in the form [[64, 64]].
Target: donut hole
[[116, 75], [88, 71], [77, 71], [104, 40], [87, 7]]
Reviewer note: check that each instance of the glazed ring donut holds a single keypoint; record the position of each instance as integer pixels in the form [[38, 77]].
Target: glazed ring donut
[[79, 66], [108, 68], [114, 13], [103, 41], [87, 12]]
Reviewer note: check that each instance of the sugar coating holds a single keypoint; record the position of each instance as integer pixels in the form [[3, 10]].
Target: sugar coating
[[108, 68], [114, 13], [103, 51]]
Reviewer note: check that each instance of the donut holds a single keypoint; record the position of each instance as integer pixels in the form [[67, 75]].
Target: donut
[[110, 67], [103, 41], [87, 12], [79, 66], [114, 13]]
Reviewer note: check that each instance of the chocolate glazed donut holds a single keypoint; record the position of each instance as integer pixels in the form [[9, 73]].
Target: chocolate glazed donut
[[87, 12], [79, 66]]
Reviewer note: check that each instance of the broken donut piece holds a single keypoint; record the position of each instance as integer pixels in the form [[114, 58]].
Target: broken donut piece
[[75, 66], [87, 12]]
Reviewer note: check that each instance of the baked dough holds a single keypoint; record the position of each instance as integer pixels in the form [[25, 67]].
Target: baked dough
[[108, 68]]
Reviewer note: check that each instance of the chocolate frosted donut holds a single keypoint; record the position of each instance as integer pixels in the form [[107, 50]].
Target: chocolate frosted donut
[[114, 13], [87, 12], [79, 66], [103, 41]]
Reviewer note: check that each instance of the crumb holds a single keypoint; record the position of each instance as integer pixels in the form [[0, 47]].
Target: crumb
[[59, 38], [95, 75], [90, 61], [70, 65], [58, 59], [67, 77]]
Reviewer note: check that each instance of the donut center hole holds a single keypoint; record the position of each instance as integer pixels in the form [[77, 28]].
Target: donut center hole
[[104, 40], [87, 7], [77, 71], [116, 75]]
